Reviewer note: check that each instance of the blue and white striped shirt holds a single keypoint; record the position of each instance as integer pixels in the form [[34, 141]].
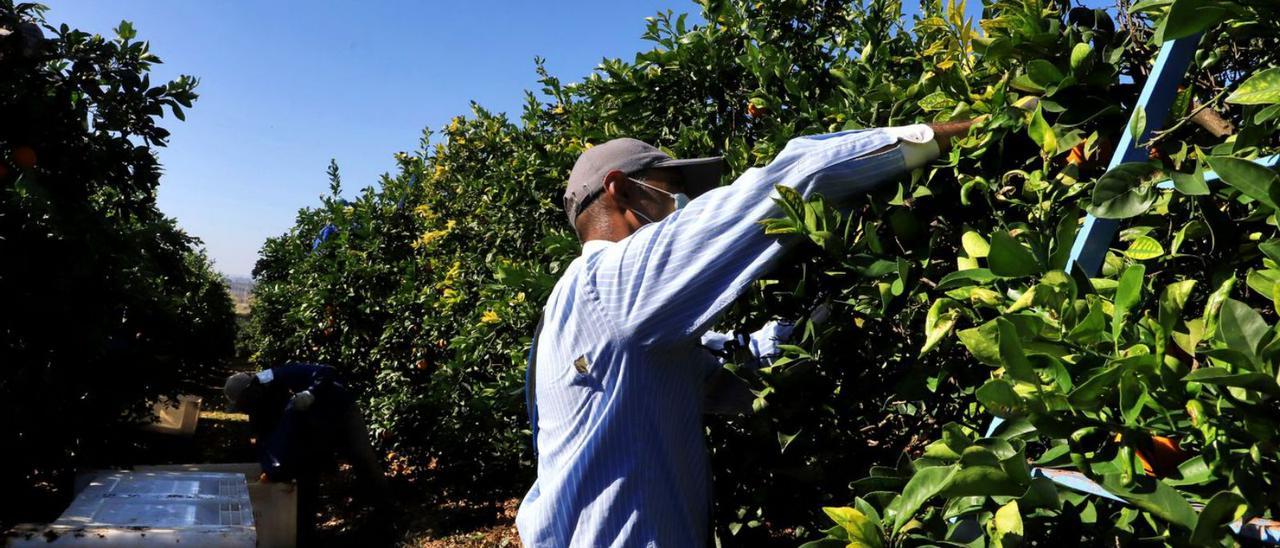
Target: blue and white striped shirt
[[621, 375]]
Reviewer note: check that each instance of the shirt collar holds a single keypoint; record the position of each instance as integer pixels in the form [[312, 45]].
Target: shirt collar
[[591, 246]]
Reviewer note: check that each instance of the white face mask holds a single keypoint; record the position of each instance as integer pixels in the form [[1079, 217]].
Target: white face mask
[[680, 199]]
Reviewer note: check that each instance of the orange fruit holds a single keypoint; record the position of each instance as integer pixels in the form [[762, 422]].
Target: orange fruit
[[1076, 156], [24, 157], [754, 111], [1162, 458]]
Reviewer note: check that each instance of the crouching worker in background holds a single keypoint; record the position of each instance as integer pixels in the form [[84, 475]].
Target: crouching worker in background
[[301, 418]]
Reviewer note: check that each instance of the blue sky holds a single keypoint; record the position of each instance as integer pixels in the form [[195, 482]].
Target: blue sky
[[287, 85]]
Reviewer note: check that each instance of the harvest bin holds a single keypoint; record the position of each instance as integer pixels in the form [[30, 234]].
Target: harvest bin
[[271, 518], [275, 505], [152, 509]]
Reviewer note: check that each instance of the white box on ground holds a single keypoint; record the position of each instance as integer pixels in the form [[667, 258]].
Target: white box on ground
[[275, 505], [178, 417], [152, 509]]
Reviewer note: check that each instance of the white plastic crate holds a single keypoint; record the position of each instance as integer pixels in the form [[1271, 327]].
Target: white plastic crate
[[179, 417], [151, 509]]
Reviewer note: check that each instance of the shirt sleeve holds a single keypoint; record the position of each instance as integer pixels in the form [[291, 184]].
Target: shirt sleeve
[[315, 378], [670, 280]]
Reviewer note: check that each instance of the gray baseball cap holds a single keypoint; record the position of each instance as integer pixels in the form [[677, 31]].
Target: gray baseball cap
[[235, 388], [632, 156]]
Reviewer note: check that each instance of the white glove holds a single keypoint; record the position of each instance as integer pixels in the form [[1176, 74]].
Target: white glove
[[303, 400]]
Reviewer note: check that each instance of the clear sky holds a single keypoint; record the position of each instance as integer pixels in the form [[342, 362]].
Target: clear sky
[[287, 85]]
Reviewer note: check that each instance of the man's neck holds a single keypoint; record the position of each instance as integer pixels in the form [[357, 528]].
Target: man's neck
[[614, 231]]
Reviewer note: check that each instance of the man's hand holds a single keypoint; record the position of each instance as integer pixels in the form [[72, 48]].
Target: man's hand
[[303, 400]]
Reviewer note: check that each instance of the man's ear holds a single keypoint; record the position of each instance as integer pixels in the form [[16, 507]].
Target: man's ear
[[618, 187]]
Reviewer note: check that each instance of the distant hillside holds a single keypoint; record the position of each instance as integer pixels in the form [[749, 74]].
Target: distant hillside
[[241, 289]]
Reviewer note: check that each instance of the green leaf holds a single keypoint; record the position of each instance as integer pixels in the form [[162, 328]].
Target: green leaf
[[1011, 355], [1266, 115], [1241, 327], [1090, 329], [939, 322], [1044, 73], [1128, 293], [956, 438], [966, 277], [982, 480], [1250, 179], [1144, 248], [1213, 307], [1006, 527], [1188, 17], [974, 245], [999, 398], [1080, 56], [1172, 301], [1262, 88], [1132, 397], [1271, 248], [1263, 281], [1040, 75], [1122, 193], [1155, 497], [861, 530], [937, 101], [1194, 471], [924, 485], [1224, 508], [1191, 184], [1041, 493], [125, 31], [983, 342], [1088, 394], [1220, 376], [1042, 133], [1138, 124], [826, 543], [785, 439], [1010, 259]]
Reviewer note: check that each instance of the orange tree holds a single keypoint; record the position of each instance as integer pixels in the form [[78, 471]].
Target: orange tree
[[108, 303], [942, 298], [1155, 379]]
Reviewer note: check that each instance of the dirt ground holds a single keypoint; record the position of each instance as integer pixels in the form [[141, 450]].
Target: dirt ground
[[418, 517]]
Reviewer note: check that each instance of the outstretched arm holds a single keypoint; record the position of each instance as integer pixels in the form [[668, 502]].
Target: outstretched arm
[[308, 382], [671, 279]]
